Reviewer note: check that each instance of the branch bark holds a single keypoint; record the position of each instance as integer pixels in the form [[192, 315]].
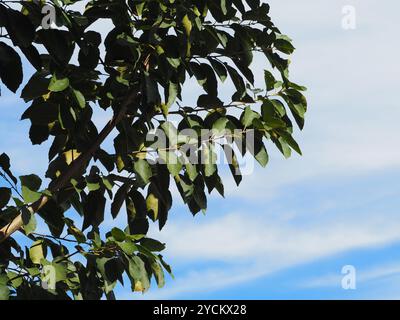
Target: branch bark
[[75, 166]]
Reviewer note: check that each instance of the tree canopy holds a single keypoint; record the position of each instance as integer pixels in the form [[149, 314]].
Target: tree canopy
[[132, 59]]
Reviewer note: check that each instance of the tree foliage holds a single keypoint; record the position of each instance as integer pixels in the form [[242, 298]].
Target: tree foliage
[[138, 71]]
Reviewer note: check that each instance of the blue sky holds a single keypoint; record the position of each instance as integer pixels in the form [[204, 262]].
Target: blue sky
[[288, 230]]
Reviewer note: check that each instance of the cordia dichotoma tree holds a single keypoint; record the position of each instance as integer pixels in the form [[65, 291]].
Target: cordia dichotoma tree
[[133, 60]]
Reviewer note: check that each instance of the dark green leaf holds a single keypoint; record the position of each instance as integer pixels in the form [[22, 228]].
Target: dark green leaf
[[118, 234], [30, 185], [152, 245], [29, 220], [5, 165], [143, 170], [119, 199], [10, 67], [5, 196]]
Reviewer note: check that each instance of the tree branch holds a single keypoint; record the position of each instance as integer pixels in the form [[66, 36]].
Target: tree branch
[[75, 166]]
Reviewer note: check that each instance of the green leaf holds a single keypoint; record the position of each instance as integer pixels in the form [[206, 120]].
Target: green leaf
[[262, 156], [15, 279], [107, 183], [109, 269], [220, 69], [220, 125], [158, 274], [269, 80], [30, 186], [191, 170], [93, 209], [58, 43], [53, 215], [172, 94], [187, 24], [58, 85], [128, 247], [288, 138], [207, 101], [10, 67], [166, 266], [38, 134], [174, 62], [237, 81], [20, 28], [210, 160], [37, 252], [5, 196], [185, 188], [172, 161], [74, 231], [3, 279], [152, 205], [119, 199], [4, 292], [93, 186], [259, 151], [297, 102], [143, 170], [139, 8], [138, 273], [5, 165], [118, 234], [284, 45], [37, 86], [205, 76], [233, 163], [33, 56], [297, 87], [248, 116], [283, 146], [223, 7], [60, 268], [272, 113], [152, 245], [80, 98], [171, 132], [29, 220]]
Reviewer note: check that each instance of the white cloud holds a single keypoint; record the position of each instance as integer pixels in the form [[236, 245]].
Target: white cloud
[[240, 236], [364, 277], [256, 246], [204, 280], [352, 124]]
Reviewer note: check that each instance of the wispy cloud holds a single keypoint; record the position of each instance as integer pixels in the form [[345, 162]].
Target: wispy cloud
[[364, 277], [251, 246]]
